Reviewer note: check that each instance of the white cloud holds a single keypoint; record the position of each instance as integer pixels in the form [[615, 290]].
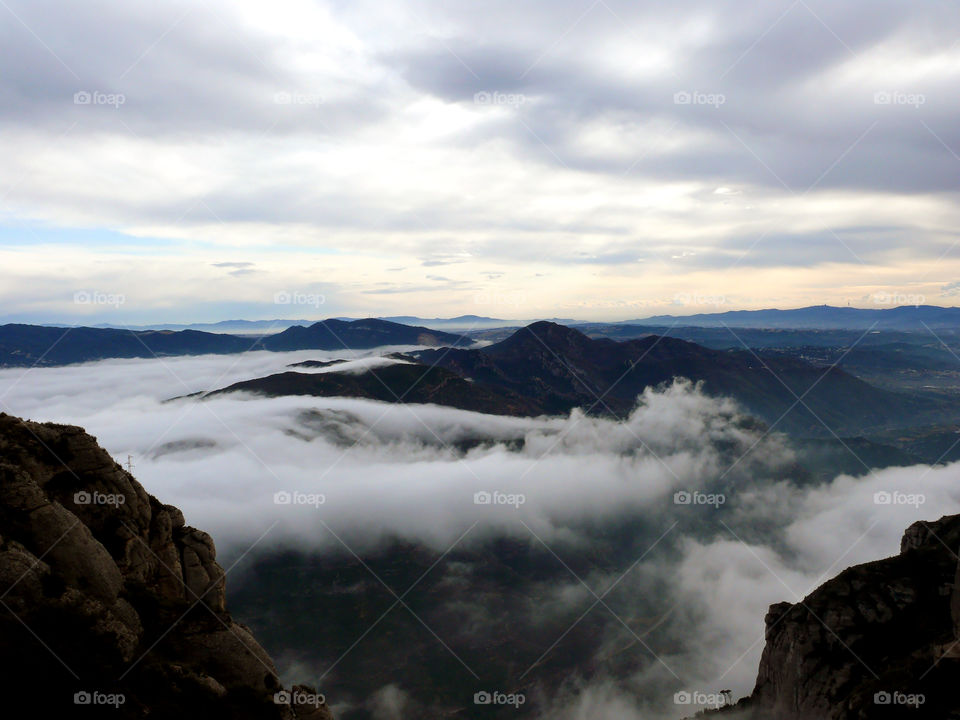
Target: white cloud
[[389, 471]]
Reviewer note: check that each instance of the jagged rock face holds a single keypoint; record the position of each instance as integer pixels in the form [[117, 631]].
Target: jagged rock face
[[104, 589], [878, 641]]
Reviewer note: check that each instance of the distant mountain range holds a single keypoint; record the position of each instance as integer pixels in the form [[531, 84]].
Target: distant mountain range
[[29, 345], [461, 322], [264, 327], [818, 317], [234, 327], [734, 337], [821, 317], [547, 368]]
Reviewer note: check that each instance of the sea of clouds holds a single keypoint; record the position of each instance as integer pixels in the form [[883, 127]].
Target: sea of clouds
[[330, 473]]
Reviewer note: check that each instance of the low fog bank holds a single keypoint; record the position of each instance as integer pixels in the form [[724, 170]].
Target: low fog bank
[[719, 515]]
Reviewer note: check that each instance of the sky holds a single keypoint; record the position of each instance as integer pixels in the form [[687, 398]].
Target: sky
[[613, 159]]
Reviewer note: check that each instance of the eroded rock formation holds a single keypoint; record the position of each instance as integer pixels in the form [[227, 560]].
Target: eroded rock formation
[[106, 593], [881, 640]]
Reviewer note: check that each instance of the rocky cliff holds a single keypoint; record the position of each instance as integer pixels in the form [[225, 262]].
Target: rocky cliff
[[110, 602], [880, 640]]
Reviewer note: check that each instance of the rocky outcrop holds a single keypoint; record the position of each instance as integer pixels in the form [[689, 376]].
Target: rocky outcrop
[[107, 597], [880, 640]]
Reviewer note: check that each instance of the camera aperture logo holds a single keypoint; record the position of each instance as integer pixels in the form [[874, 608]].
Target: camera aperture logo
[[695, 97], [899, 498], [85, 697], [296, 497], [295, 97], [898, 97], [84, 97], [496, 497], [285, 297], [98, 498], [95, 297], [899, 299], [695, 497], [714, 700], [914, 700], [494, 97], [699, 299], [298, 697], [499, 698]]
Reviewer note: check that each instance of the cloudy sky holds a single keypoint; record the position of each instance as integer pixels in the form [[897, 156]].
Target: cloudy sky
[[600, 160]]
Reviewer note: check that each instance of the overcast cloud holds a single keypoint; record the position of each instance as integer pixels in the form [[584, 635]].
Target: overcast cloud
[[595, 158]]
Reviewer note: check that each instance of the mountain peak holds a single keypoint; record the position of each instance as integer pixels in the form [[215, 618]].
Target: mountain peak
[[542, 335]]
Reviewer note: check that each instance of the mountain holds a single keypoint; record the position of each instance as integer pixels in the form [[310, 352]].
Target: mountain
[[828, 457], [402, 382], [561, 368], [110, 598], [236, 327], [461, 322], [261, 327], [29, 345], [824, 317], [357, 334], [721, 338], [551, 369], [879, 641]]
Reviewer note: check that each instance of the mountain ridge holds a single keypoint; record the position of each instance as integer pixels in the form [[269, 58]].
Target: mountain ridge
[[37, 345], [824, 317], [550, 369]]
